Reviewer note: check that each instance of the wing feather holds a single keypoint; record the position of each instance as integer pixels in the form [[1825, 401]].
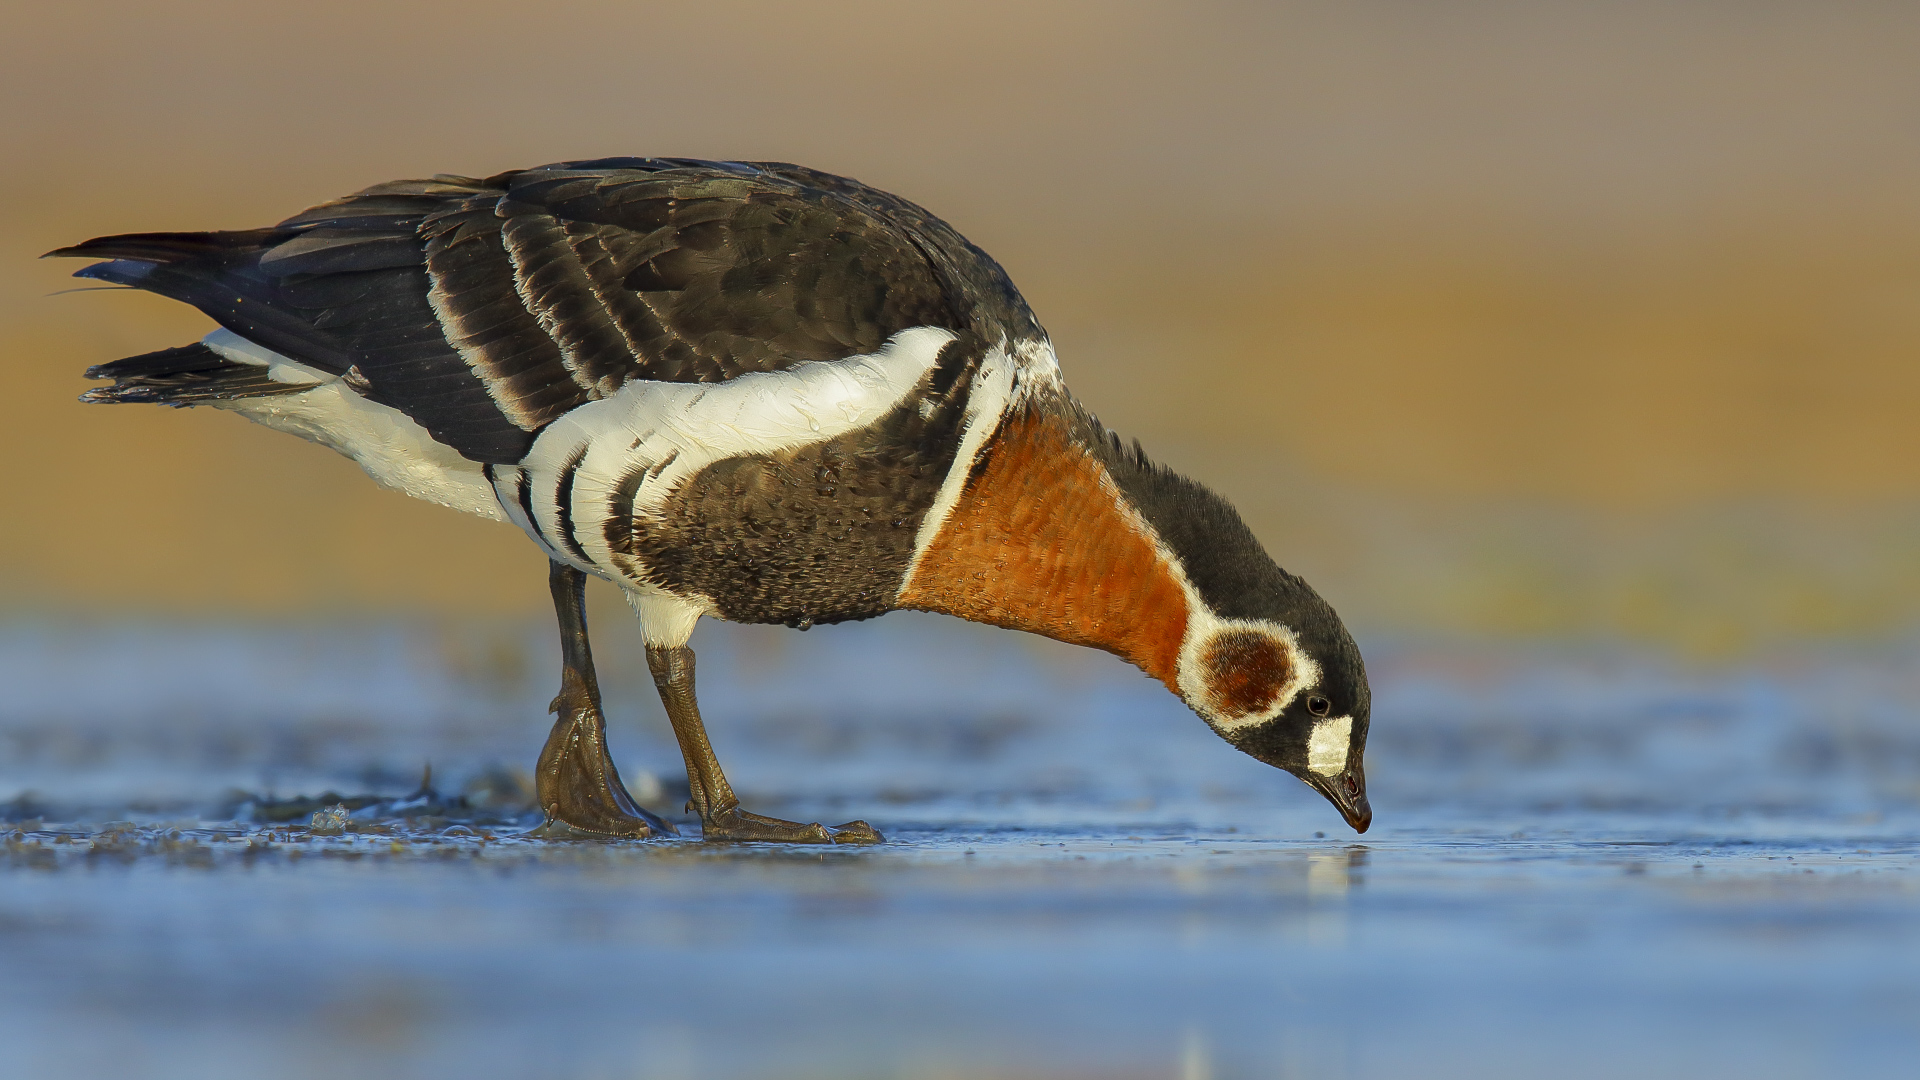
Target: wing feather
[[472, 291], [486, 307], [558, 288]]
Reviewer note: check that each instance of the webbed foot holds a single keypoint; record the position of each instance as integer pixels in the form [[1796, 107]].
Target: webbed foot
[[712, 797], [735, 824], [580, 790], [577, 784]]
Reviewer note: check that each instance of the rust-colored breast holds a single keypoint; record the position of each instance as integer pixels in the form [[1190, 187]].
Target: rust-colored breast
[[1039, 542]]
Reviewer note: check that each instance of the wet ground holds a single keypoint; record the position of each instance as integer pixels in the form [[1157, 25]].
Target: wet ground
[[1586, 862]]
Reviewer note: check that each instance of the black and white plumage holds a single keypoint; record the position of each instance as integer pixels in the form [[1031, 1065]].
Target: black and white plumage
[[752, 391]]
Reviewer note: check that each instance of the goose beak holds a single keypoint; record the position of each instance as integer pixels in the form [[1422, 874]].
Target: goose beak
[[1347, 791]]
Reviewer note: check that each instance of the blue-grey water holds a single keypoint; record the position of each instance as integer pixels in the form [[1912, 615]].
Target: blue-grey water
[[1586, 862]]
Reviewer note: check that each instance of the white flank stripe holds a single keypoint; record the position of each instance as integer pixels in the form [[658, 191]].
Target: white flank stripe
[[393, 449], [678, 429], [506, 488]]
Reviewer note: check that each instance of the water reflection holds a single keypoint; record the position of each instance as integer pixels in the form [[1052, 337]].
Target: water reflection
[[1101, 891]]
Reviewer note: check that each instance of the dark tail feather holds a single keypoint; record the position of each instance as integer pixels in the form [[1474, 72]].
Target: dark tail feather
[[162, 247], [189, 375], [219, 273]]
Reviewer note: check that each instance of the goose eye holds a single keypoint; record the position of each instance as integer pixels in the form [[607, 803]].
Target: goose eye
[[1319, 706]]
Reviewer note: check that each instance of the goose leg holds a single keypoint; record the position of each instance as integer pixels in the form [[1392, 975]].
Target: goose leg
[[712, 797], [579, 788]]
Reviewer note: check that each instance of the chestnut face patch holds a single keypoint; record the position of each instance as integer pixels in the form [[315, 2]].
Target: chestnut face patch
[[1245, 672]]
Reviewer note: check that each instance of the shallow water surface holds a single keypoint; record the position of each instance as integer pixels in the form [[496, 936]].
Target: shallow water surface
[[1583, 864]]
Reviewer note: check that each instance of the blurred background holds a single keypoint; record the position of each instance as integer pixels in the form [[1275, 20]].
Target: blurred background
[[1571, 350], [1496, 319]]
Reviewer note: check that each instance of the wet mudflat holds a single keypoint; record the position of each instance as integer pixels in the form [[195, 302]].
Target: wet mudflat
[[1584, 864]]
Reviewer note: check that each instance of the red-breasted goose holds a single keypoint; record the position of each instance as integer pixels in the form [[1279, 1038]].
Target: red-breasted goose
[[746, 390]]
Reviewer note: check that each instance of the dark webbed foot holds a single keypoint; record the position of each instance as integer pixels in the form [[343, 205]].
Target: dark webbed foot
[[578, 786], [555, 829], [720, 815], [735, 824]]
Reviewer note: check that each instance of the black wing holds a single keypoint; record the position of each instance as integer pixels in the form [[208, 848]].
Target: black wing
[[485, 308]]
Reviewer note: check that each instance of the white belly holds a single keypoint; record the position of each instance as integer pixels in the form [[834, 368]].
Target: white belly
[[393, 449]]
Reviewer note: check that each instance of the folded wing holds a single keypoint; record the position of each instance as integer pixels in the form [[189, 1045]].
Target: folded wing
[[486, 308]]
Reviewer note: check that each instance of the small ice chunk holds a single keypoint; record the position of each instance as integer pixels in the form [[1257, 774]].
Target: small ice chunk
[[329, 822]]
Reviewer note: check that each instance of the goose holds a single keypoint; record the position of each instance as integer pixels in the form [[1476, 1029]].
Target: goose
[[751, 391]]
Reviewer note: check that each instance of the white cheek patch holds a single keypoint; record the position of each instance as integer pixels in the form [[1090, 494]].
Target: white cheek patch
[[1327, 746], [1195, 674]]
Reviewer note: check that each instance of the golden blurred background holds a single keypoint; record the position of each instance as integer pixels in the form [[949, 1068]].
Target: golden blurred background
[[1527, 319]]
